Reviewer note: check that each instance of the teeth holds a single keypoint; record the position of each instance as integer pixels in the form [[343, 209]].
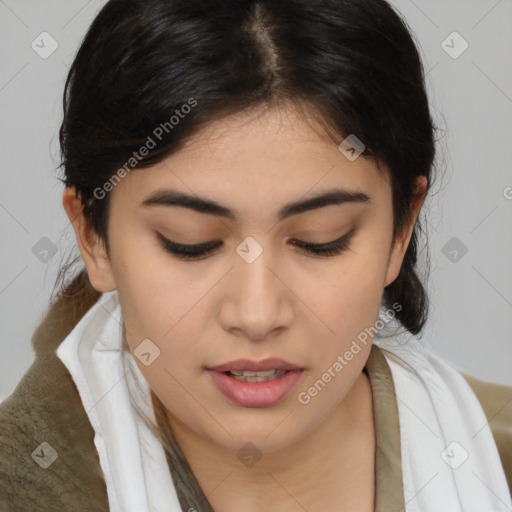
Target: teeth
[[249, 376], [247, 373]]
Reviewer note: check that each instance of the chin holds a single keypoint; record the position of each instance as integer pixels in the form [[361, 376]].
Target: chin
[[268, 431]]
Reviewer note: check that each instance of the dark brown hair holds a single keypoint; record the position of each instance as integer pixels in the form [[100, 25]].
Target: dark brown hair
[[353, 61]]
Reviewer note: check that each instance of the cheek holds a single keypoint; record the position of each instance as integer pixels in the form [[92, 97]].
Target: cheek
[[152, 290], [163, 304], [347, 306], [349, 293]]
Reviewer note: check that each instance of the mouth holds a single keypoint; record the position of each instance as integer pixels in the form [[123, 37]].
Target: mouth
[[265, 384]]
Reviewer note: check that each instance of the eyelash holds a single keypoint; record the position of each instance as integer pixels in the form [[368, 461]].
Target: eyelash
[[200, 251]]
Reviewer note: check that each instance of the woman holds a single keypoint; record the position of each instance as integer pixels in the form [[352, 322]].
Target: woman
[[244, 180]]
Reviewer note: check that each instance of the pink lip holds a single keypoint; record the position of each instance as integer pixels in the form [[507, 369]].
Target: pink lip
[[255, 366], [255, 394]]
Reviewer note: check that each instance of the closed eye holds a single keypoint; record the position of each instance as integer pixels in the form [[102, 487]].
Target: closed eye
[[328, 248], [203, 250]]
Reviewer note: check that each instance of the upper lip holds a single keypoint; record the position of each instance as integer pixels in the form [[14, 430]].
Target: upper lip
[[255, 366]]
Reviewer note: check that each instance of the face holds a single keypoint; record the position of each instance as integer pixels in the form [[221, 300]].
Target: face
[[256, 289]]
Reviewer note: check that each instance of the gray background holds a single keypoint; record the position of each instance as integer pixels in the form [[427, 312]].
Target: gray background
[[471, 208]]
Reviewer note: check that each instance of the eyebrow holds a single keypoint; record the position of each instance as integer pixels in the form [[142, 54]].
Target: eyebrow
[[168, 197]]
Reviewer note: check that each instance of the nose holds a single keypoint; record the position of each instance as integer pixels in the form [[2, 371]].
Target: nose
[[258, 305]]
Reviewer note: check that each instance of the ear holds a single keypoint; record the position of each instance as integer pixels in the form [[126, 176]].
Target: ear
[[92, 248], [402, 242]]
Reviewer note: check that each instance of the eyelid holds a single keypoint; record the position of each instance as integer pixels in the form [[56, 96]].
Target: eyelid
[[195, 252], [187, 247], [347, 235]]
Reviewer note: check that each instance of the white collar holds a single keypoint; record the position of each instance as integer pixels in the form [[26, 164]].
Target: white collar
[[132, 459]]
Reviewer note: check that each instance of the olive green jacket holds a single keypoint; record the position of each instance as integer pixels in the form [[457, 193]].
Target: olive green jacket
[[46, 408]]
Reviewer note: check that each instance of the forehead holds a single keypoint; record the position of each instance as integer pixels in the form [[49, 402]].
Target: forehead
[[265, 158]]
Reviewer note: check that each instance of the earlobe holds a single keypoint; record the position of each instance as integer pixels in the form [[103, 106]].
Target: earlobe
[[91, 246], [400, 247]]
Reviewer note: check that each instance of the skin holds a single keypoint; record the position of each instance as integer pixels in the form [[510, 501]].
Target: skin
[[288, 303]]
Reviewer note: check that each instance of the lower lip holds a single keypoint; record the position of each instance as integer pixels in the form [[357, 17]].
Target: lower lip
[[255, 394]]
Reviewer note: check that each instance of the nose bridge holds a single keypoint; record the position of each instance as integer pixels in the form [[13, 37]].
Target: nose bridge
[[255, 277]]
